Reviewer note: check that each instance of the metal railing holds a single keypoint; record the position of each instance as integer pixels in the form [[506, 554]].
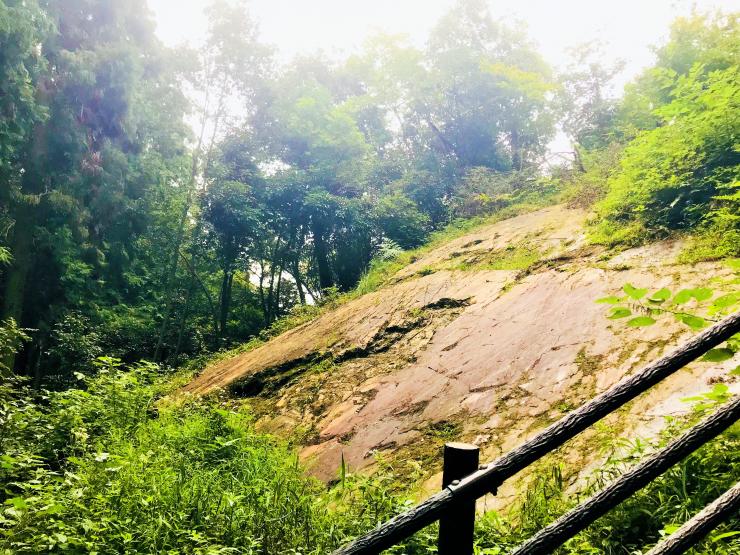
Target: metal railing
[[454, 505]]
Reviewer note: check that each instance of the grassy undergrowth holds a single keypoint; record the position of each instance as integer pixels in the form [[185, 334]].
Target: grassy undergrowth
[[113, 467]]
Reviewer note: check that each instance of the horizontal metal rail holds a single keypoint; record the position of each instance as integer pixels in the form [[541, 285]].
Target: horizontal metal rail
[[556, 534], [490, 477], [701, 524]]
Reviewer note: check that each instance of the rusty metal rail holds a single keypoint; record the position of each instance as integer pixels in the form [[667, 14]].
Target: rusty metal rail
[[460, 493]]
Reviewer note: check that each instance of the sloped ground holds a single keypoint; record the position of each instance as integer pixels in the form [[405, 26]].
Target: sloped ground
[[486, 339]]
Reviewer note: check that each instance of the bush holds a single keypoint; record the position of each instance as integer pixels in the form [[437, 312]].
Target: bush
[[11, 339], [586, 188], [116, 468], [671, 177], [642, 520], [483, 192], [401, 221]]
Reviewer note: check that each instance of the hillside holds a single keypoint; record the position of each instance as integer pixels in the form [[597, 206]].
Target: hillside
[[486, 339], [250, 288]]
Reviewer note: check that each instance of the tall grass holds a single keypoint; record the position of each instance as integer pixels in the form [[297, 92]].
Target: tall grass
[[114, 467]]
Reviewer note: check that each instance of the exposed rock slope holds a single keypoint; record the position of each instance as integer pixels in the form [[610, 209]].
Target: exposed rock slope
[[487, 338]]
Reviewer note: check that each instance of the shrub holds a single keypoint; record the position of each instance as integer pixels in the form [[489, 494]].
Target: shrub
[[672, 176], [116, 467]]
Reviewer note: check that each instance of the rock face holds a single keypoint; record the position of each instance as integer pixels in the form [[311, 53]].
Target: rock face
[[486, 339]]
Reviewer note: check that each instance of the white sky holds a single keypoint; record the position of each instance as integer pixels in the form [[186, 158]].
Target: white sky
[[627, 27]]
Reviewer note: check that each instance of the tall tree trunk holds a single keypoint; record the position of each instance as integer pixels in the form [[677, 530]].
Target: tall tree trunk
[[263, 300], [209, 298], [296, 272], [271, 291], [183, 318], [577, 159], [172, 274], [321, 253], [180, 237], [226, 286], [517, 156], [38, 352], [276, 306], [295, 265], [33, 183], [17, 273]]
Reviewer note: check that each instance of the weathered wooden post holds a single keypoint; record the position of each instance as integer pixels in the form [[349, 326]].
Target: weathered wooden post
[[456, 525]]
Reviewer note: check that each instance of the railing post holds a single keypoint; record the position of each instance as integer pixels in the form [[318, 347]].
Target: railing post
[[456, 526]]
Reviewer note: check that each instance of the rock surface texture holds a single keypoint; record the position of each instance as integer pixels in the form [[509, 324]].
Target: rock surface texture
[[485, 339]]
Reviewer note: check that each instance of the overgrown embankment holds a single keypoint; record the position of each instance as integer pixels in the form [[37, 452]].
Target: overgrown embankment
[[487, 339]]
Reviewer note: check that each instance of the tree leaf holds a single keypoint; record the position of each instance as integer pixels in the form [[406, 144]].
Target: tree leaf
[[611, 299], [683, 296], [641, 321], [694, 322], [725, 535], [719, 392], [619, 312], [726, 300], [17, 502], [733, 263], [701, 293], [718, 355], [634, 292], [660, 295]]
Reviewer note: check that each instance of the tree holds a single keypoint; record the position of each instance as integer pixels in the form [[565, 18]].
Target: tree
[[79, 188], [589, 108], [679, 168], [229, 73], [121, 232], [488, 103], [233, 219], [23, 25], [401, 221]]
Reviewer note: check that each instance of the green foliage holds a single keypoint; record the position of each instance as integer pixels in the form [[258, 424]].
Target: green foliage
[[74, 344], [671, 176], [306, 185], [131, 237], [472, 57], [670, 500], [22, 26], [402, 221], [144, 241], [483, 192], [662, 159], [589, 111], [643, 519], [584, 188], [695, 308], [117, 466], [11, 339], [677, 126]]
